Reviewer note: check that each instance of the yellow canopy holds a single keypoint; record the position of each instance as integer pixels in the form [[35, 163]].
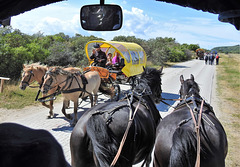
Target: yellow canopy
[[133, 54]]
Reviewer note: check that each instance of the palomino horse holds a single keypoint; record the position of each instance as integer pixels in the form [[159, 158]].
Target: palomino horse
[[191, 135], [96, 138], [36, 72], [22, 146], [72, 85]]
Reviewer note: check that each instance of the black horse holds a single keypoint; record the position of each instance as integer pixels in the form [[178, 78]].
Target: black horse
[[25, 147], [96, 138], [177, 142]]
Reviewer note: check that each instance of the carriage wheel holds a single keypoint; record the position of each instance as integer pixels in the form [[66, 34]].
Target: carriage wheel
[[117, 92]]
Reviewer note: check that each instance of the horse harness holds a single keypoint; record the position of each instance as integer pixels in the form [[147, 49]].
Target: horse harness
[[121, 104], [65, 88], [197, 115]]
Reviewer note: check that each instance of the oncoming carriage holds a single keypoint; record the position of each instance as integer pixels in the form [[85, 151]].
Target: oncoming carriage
[[200, 53], [133, 59]]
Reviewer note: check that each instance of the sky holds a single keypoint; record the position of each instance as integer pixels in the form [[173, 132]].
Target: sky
[[143, 19]]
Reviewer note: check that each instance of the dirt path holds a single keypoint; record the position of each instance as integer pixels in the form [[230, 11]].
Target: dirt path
[[9, 115]]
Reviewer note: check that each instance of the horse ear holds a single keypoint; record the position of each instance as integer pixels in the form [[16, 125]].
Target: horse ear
[[192, 77], [181, 79], [144, 68], [160, 70]]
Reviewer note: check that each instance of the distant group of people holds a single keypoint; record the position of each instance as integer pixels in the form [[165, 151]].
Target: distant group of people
[[100, 58], [210, 57]]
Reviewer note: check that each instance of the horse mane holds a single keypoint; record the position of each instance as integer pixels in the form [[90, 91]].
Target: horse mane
[[153, 78], [35, 66], [150, 74], [58, 71]]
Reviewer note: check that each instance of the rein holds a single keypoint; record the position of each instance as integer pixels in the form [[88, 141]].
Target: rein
[[197, 124], [131, 117], [171, 100]]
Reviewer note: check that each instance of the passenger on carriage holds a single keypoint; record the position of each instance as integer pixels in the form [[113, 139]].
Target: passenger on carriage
[[99, 56], [117, 62], [109, 60], [116, 59]]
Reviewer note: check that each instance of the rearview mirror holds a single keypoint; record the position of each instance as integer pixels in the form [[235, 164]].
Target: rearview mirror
[[101, 17]]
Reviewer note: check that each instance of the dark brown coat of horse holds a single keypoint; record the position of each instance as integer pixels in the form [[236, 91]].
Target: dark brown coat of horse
[[97, 135], [176, 142]]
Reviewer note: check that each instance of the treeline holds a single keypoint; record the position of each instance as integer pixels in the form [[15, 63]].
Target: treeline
[[161, 50], [228, 49], [17, 48]]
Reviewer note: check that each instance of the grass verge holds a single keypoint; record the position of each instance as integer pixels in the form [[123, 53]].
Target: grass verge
[[15, 98], [228, 81]]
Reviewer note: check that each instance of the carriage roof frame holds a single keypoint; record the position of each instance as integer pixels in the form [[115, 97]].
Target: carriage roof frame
[[133, 54]]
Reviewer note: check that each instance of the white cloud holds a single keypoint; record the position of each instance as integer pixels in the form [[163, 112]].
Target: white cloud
[[206, 32], [50, 20]]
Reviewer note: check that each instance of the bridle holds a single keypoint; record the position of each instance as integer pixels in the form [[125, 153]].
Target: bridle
[[51, 75], [29, 79]]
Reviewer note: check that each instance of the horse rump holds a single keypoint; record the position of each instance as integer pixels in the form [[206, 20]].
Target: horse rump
[[184, 151], [22, 146]]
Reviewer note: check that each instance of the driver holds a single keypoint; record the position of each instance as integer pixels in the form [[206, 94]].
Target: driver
[[99, 56]]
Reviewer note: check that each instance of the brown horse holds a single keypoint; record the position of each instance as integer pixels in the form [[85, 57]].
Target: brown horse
[[72, 85], [36, 72]]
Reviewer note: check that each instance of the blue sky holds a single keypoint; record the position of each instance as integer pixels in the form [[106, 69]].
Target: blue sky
[[142, 18]]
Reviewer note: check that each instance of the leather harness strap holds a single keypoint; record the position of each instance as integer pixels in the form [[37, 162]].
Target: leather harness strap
[[131, 117], [84, 82], [197, 124]]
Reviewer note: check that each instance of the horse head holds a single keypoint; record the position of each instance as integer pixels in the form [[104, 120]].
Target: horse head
[[188, 87], [27, 77], [150, 84], [32, 72], [53, 78]]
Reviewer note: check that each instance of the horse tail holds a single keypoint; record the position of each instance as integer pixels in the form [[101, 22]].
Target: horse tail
[[184, 148], [104, 146], [105, 90]]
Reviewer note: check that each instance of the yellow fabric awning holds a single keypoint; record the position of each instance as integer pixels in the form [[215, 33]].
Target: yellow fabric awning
[[133, 54]]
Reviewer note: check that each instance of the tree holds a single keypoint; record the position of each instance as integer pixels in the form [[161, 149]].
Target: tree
[[60, 55]]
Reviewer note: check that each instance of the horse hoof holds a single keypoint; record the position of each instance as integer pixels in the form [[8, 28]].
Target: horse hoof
[[50, 117]]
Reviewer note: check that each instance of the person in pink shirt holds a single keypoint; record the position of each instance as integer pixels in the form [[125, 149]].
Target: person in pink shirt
[[116, 59]]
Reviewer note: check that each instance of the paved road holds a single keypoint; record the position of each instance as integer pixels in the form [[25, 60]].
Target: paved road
[[61, 129]]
